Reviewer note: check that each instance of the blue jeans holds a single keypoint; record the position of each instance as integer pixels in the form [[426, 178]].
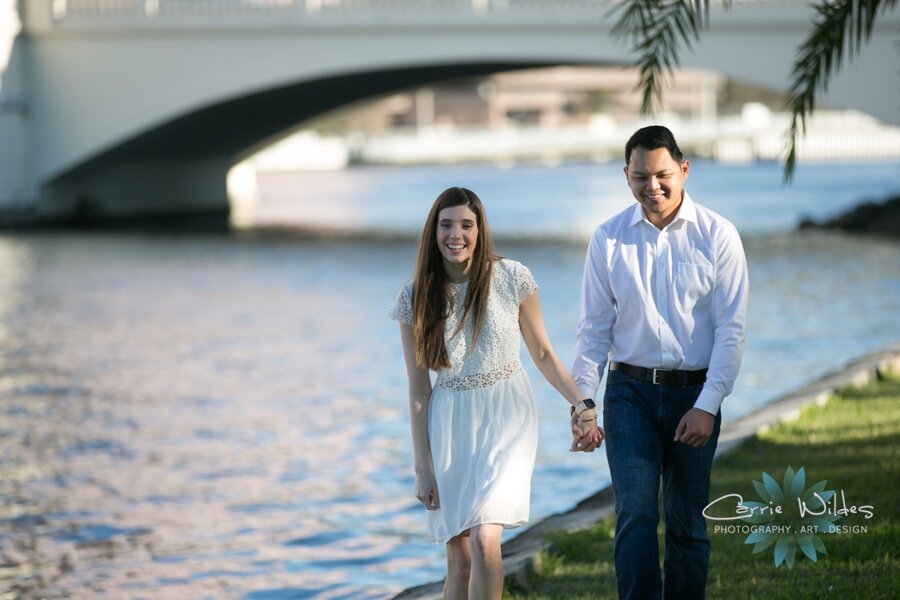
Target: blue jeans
[[640, 420]]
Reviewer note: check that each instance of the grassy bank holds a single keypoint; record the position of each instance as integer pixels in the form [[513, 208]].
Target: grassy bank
[[853, 442]]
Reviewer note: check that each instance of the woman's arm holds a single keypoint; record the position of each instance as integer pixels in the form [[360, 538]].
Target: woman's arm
[[531, 323], [419, 397]]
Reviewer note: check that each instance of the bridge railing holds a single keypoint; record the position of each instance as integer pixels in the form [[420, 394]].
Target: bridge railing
[[160, 8], [49, 16], [66, 9]]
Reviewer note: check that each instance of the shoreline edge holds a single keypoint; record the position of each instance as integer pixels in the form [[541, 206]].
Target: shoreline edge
[[521, 555]]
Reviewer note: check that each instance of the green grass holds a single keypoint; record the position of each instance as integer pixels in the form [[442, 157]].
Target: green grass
[[853, 442]]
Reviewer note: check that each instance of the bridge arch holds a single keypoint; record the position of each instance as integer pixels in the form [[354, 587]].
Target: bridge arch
[[134, 114]]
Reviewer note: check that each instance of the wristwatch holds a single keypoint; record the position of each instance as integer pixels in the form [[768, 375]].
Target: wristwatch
[[583, 406]]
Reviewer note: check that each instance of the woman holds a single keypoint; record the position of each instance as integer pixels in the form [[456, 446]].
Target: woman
[[475, 433]]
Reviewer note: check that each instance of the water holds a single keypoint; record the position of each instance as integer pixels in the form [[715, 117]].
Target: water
[[567, 202], [224, 416]]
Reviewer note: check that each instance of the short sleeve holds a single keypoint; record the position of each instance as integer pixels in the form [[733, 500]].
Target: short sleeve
[[525, 283], [402, 309]]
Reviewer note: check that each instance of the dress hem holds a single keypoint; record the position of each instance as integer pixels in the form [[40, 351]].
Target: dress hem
[[505, 524]]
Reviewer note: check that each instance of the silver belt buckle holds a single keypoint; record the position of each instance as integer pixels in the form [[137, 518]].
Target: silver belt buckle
[[655, 371]]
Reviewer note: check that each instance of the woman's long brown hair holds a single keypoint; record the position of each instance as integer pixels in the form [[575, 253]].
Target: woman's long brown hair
[[431, 297]]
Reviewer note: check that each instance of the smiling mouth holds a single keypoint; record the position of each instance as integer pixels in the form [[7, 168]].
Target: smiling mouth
[[455, 247]]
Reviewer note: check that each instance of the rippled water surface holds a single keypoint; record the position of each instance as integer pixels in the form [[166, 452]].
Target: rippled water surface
[[224, 416]]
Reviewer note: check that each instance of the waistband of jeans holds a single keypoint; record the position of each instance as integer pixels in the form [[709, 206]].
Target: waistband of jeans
[[668, 377]]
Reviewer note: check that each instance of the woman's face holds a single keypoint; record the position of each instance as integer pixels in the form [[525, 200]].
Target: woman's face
[[457, 235]]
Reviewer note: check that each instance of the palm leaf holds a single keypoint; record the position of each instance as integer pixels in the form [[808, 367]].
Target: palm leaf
[[839, 24], [659, 29]]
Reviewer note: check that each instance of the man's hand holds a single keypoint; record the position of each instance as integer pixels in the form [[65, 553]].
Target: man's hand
[[586, 436], [695, 428]]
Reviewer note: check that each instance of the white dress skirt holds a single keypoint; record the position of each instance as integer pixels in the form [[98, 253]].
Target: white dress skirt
[[482, 421], [483, 444]]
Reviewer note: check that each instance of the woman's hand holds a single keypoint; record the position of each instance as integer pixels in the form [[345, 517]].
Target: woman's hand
[[426, 490], [586, 435]]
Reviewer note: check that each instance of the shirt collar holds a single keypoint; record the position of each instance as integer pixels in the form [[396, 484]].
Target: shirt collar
[[687, 211], [637, 214]]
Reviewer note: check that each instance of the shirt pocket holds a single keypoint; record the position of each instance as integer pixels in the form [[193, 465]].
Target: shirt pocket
[[693, 284]]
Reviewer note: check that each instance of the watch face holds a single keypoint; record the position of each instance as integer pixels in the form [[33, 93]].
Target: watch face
[[588, 403]]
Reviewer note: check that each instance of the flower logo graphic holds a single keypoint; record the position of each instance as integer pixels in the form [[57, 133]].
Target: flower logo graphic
[[790, 529]]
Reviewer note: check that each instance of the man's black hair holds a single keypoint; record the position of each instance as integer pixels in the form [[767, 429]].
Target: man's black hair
[[651, 138]]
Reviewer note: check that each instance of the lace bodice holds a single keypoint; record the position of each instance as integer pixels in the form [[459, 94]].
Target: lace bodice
[[495, 356]]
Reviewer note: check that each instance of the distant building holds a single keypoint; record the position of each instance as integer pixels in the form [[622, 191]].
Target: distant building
[[548, 97]]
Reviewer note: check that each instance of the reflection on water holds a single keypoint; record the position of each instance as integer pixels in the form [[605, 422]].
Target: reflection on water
[[216, 417], [196, 417], [225, 416]]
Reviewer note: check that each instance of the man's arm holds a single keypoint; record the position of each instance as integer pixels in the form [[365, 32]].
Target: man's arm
[[730, 321], [730, 318], [598, 313]]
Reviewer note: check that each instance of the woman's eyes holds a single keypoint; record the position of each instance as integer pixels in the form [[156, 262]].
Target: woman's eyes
[[464, 225]]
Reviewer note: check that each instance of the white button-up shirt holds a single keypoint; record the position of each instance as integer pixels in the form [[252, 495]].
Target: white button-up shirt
[[671, 298]]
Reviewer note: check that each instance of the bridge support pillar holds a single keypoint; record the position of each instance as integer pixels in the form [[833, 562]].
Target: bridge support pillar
[[18, 192], [170, 190]]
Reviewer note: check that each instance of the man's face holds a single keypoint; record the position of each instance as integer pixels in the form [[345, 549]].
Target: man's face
[[657, 182]]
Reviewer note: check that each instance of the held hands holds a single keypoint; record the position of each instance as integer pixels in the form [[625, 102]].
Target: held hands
[[426, 490], [586, 435], [695, 428]]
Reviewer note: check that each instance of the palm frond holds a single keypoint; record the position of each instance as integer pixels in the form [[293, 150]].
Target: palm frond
[[839, 24], [658, 29]]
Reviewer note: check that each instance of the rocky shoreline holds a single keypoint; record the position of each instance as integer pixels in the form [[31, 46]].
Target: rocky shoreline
[[869, 218]]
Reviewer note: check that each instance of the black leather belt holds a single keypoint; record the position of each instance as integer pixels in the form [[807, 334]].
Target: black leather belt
[[661, 376]]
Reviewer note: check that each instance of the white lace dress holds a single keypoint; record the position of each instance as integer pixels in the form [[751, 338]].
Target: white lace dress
[[482, 421]]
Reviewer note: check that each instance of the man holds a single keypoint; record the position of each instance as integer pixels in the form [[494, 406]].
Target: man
[[664, 299]]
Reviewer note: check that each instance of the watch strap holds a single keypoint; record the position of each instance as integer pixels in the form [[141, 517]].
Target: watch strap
[[583, 406]]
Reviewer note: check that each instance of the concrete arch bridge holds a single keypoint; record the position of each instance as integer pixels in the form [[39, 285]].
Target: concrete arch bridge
[[137, 107]]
